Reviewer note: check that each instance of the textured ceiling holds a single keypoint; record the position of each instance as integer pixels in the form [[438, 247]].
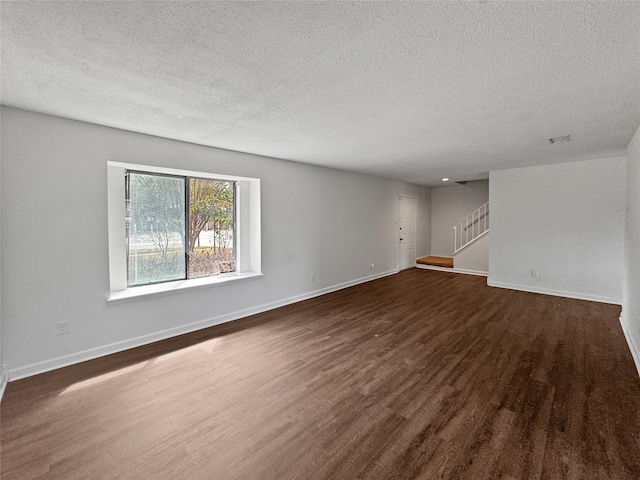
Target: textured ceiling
[[408, 90]]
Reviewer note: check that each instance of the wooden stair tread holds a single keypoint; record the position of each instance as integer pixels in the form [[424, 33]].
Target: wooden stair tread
[[436, 261]]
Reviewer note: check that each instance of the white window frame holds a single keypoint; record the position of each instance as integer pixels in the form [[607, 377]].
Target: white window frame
[[248, 242]]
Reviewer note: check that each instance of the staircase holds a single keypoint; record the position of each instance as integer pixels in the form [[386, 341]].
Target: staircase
[[466, 232], [471, 228]]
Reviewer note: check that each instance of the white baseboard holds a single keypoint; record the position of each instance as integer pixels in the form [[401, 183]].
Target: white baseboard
[[90, 354], [453, 270], [635, 349], [555, 293]]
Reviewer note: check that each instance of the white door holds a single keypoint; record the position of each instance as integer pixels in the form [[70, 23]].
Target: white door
[[407, 231]]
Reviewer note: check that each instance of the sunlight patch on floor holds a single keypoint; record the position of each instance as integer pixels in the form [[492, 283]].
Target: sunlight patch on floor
[[103, 378], [207, 347]]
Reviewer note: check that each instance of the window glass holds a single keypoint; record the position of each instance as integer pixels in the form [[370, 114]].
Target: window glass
[[178, 227], [155, 228], [211, 227]]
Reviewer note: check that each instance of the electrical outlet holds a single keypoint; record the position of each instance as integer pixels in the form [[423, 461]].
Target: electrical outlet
[[313, 277], [373, 266], [62, 328], [535, 273]]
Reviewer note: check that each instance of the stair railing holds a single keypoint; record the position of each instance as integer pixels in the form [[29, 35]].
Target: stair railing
[[470, 228]]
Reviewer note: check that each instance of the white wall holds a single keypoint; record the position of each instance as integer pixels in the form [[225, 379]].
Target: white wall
[[449, 205], [631, 280], [474, 258], [565, 221], [2, 370], [55, 243]]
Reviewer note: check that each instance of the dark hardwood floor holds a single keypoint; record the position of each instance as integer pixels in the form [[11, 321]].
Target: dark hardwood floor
[[421, 375]]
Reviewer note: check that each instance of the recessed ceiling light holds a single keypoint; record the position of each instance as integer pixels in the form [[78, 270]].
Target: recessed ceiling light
[[566, 138], [445, 179]]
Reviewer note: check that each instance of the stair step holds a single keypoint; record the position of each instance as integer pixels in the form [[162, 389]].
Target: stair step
[[436, 261]]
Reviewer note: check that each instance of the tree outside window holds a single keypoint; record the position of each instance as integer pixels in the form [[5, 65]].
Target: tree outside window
[[178, 227]]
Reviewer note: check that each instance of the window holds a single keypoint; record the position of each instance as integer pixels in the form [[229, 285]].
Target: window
[[178, 227], [171, 229]]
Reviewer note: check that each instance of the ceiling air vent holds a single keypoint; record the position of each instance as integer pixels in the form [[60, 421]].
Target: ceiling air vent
[[554, 140]]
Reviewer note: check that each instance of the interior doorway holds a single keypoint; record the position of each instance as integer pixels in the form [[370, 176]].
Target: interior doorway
[[407, 231]]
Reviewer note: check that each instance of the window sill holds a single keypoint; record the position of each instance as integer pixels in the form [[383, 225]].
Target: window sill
[[169, 288]]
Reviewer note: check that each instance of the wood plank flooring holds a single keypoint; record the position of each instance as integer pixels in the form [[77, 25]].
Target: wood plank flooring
[[421, 375]]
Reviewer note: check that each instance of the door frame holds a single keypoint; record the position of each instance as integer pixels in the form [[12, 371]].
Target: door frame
[[415, 232]]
